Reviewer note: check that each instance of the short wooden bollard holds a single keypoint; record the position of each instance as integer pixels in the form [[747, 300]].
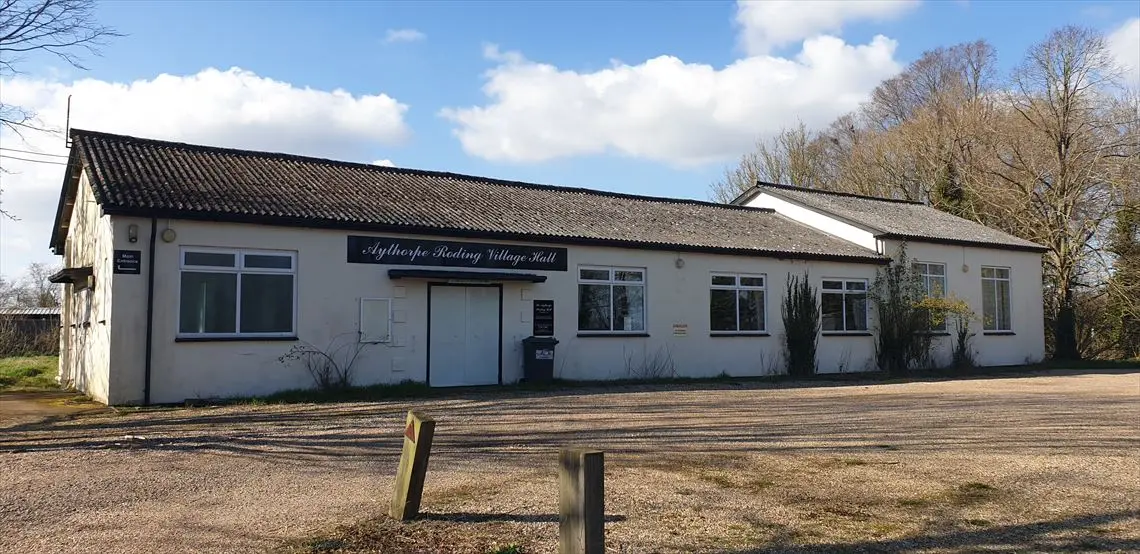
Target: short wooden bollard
[[581, 501], [418, 432]]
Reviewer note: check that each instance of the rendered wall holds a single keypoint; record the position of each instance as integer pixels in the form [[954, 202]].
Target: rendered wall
[[329, 290], [85, 315]]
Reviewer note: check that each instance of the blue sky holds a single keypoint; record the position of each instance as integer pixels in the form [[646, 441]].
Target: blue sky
[[641, 97]]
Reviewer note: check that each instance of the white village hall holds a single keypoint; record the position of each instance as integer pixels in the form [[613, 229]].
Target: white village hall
[[191, 270]]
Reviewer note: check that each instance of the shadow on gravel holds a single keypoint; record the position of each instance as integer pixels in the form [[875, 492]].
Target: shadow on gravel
[[1075, 534], [476, 517], [739, 422]]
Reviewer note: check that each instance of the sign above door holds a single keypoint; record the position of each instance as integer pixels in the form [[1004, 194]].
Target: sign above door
[[438, 253]]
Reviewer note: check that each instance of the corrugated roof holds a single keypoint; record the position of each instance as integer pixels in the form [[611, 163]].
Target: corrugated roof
[[11, 310], [144, 177], [897, 219]]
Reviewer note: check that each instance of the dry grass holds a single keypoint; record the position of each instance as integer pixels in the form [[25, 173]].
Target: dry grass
[[1043, 463]]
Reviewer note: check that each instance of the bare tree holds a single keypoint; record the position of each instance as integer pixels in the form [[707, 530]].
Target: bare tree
[[35, 290], [1060, 158], [66, 29], [793, 157]]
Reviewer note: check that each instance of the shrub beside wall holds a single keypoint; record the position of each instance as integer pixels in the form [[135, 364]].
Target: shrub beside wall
[[800, 311]]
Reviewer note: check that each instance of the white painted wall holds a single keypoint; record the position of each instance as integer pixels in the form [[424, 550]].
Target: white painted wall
[[329, 290], [85, 315], [963, 279], [817, 220]]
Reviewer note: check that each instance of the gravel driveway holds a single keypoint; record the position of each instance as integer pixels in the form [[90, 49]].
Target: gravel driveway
[[1048, 461]]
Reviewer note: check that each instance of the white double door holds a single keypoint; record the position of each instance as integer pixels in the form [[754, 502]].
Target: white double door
[[464, 342]]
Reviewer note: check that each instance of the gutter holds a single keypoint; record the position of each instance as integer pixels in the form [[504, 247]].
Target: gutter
[[149, 313]]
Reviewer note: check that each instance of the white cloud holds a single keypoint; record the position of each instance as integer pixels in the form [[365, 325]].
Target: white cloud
[[769, 24], [384, 163], [403, 35], [233, 108], [1125, 45], [665, 109]]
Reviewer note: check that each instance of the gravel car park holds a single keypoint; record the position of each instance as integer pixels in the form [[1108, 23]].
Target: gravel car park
[[1045, 461]]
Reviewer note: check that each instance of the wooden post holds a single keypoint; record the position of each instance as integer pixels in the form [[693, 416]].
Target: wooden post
[[418, 432], [581, 501]]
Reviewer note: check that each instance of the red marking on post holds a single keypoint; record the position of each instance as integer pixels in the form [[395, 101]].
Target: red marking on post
[[410, 432]]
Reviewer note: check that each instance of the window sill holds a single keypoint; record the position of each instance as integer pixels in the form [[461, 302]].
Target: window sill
[[847, 334], [235, 339], [934, 333], [732, 334], [998, 333], [588, 335]]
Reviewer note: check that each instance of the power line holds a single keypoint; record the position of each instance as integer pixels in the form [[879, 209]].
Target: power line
[[31, 152], [29, 160]]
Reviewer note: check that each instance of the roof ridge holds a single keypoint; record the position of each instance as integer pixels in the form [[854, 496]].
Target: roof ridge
[[836, 193], [413, 171]]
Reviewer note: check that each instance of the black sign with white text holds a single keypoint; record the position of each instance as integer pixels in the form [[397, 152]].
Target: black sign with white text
[[128, 261], [438, 253], [543, 318]]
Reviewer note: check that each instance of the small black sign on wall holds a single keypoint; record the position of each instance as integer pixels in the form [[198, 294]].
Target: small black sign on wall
[[543, 318], [128, 261]]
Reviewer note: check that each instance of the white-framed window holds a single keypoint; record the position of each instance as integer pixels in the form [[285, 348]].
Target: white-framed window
[[737, 303], [933, 277], [996, 299], [611, 299], [237, 293], [375, 320], [843, 303]]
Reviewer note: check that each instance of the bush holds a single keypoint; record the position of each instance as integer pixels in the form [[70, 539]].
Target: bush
[[904, 323], [800, 312], [331, 367]]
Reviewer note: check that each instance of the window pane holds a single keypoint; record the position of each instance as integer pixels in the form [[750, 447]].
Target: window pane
[[594, 274], [856, 305], [1001, 273], [832, 308], [856, 285], [211, 259], [629, 308], [266, 303], [936, 287], [593, 307], [751, 310], [722, 310], [836, 285], [208, 302], [918, 268], [628, 275], [987, 272], [727, 280], [936, 269], [1003, 320], [989, 307], [751, 281], [268, 261]]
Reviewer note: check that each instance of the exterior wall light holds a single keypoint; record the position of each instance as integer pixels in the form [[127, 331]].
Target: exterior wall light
[[133, 232]]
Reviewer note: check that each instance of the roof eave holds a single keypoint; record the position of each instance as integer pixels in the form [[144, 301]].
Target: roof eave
[[746, 196], [69, 190], [314, 223], [1036, 248]]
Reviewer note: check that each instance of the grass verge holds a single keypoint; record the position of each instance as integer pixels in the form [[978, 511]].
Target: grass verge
[[27, 373]]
